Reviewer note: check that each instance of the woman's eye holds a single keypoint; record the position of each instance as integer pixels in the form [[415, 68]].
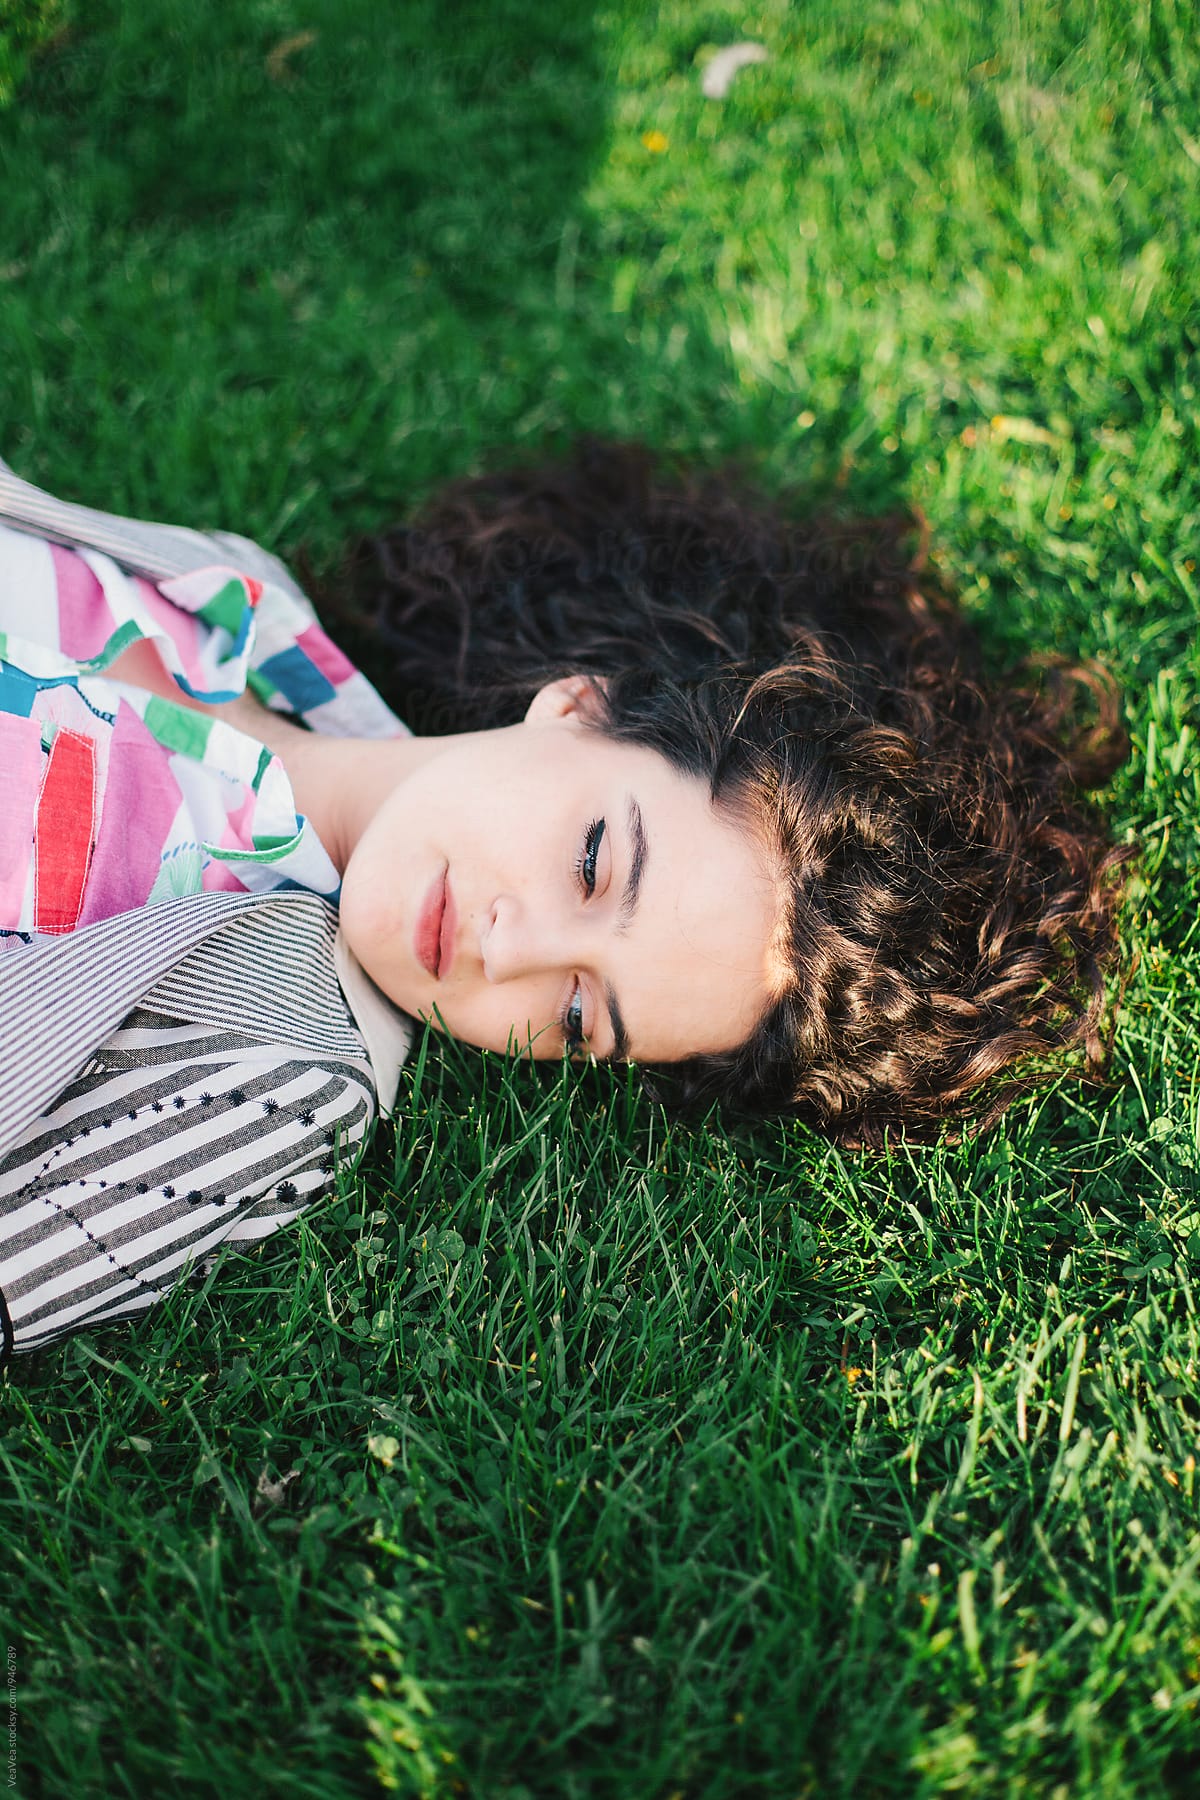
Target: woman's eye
[[573, 1022], [593, 837], [585, 874]]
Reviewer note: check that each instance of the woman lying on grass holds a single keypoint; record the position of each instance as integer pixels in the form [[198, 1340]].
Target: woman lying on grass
[[698, 785]]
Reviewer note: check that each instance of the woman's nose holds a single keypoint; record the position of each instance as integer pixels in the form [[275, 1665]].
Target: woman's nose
[[518, 941]]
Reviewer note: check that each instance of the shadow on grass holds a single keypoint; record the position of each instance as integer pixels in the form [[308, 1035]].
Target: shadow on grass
[[284, 269]]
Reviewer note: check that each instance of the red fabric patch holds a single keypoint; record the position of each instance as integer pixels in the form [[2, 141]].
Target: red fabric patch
[[65, 832], [253, 588]]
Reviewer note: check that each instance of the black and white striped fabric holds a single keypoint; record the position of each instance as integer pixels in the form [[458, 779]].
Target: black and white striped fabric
[[61, 996], [175, 1139], [214, 1111]]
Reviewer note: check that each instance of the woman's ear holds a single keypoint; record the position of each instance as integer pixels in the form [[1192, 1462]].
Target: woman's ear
[[578, 697]]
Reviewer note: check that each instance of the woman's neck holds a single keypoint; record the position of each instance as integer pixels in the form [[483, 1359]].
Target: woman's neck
[[339, 784]]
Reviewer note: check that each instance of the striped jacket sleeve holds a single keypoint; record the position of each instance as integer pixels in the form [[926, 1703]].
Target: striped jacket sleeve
[[174, 1139]]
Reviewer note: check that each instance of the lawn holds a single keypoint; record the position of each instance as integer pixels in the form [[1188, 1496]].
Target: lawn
[[569, 1452]]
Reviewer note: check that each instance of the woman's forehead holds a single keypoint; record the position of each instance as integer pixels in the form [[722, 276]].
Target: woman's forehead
[[700, 961]]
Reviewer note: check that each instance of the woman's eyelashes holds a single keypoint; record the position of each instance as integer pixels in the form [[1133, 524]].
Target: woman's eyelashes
[[585, 874], [572, 1022], [585, 866]]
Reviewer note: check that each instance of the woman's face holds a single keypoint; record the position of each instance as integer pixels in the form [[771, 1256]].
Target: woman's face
[[546, 888]]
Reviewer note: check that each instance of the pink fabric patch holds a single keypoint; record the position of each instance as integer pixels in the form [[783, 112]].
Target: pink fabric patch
[[322, 651], [85, 620], [21, 759], [185, 632], [140, 803], [219, 878], [237, 834], [239, 825]]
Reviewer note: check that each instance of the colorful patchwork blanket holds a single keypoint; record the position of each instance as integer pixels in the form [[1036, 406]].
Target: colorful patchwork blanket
[[112, 798]]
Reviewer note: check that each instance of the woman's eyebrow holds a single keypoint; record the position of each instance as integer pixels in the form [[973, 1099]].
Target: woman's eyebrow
[[637, 865], [629, 900], [620, 1049]]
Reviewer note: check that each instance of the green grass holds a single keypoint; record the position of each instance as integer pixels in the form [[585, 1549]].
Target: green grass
[[566, 1454], [26, 26]]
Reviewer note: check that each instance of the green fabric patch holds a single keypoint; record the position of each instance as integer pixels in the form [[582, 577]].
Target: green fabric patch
[[177, 728], [270, 844], [267, 849], [180, 875], [226, 608], [128, 632]]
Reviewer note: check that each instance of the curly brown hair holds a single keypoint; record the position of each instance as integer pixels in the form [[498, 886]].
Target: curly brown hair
[[950, 914]]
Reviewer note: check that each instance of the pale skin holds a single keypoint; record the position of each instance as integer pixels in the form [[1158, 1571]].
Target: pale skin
[[598, 902]]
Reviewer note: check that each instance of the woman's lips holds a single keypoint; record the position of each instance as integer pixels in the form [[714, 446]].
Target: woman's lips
[[449, 931], [427, 935]]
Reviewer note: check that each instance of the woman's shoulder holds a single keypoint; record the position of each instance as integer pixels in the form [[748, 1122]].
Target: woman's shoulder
[[175, 1139], [264, 964]]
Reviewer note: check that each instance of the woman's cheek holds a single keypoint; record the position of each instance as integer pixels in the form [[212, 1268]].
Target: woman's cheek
[[494, 1021]]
